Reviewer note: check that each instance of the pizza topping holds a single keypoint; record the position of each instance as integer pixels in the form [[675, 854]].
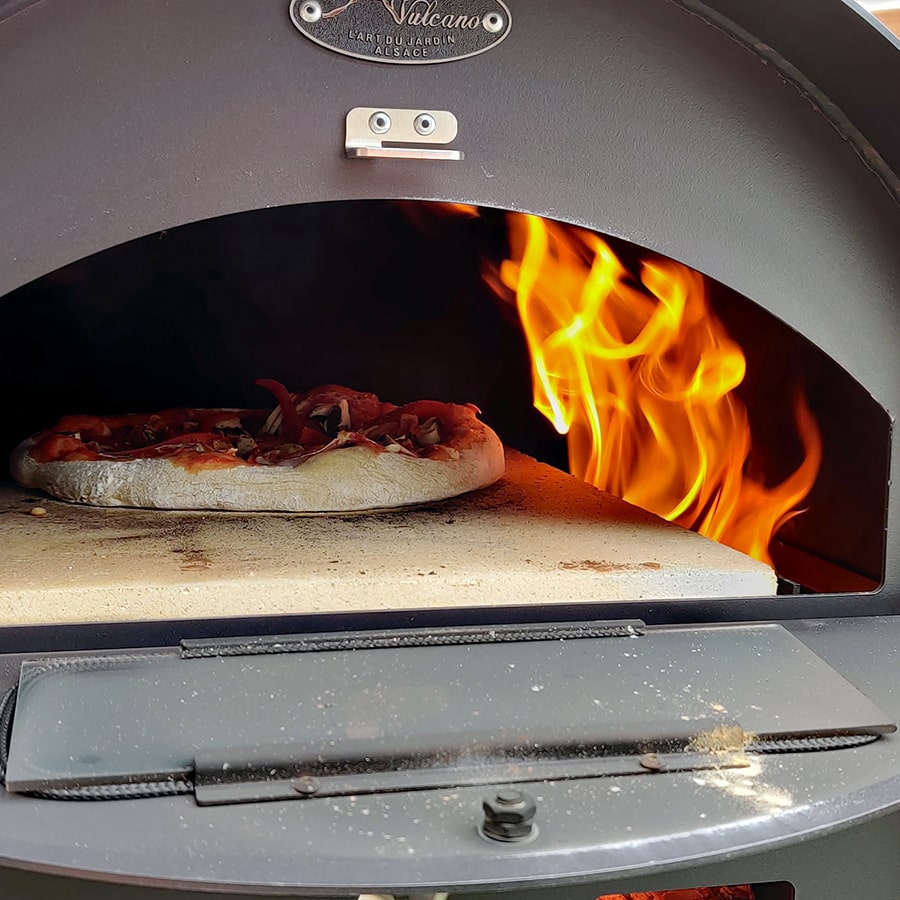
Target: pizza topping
[[245, 446], [227, 423], [93, 426], [300, 427], [292, 424], [329, 419], [63, 446], [429, 432]]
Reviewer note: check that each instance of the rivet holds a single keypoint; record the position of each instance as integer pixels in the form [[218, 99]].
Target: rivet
[[379, 122], [310, 11], [305, 785], [493, 22], [424, 123], [651, 762]]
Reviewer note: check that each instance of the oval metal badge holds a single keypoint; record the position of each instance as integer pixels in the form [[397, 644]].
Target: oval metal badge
[[410, 32]]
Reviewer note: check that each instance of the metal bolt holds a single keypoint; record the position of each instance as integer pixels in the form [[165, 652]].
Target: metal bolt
[[493, 22], [306, 784], [379, 122], [310, 11], [651, 762], [424, 123], [508, 816]]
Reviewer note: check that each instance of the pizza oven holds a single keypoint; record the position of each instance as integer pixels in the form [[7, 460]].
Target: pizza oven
[[656, 244]]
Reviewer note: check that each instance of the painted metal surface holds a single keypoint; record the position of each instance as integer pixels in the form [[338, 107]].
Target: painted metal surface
[[363, 711], [676, 135], [646, 826]]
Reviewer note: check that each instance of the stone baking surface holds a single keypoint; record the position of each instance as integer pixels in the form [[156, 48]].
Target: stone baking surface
[[537, 536]]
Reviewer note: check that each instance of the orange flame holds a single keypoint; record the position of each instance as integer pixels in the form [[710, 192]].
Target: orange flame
[[641, 378]]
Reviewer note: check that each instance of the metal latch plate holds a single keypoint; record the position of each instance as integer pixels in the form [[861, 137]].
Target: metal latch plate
[[387, 133]]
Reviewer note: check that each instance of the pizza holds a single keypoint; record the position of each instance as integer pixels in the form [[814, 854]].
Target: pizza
[[330, 449]]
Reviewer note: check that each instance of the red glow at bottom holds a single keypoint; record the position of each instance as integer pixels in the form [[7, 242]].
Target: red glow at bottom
[[731, 892]]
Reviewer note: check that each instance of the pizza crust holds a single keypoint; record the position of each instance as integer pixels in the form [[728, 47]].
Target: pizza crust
[[342, 480]]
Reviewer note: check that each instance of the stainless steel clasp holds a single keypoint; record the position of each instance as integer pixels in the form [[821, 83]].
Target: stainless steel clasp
[[370, 128]]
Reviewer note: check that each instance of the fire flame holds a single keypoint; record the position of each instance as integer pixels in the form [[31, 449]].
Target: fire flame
[[736, 892], [642, 378]]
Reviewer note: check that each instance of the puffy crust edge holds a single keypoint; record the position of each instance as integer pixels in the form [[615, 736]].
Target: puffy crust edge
[[342, 480]]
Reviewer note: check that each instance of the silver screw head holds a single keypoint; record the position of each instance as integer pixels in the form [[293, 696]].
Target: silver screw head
[[379, 122], [492, 22], [651, 762], [310, 11], [306, 785], [424, 123]]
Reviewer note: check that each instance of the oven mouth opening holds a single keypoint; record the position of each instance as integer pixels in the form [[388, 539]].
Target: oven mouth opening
[[576, 346]]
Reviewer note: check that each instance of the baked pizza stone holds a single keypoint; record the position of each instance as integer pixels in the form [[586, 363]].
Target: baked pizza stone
[[537, 536]]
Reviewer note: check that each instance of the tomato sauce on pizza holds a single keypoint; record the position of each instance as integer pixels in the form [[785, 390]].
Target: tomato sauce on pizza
[[300, 427]]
